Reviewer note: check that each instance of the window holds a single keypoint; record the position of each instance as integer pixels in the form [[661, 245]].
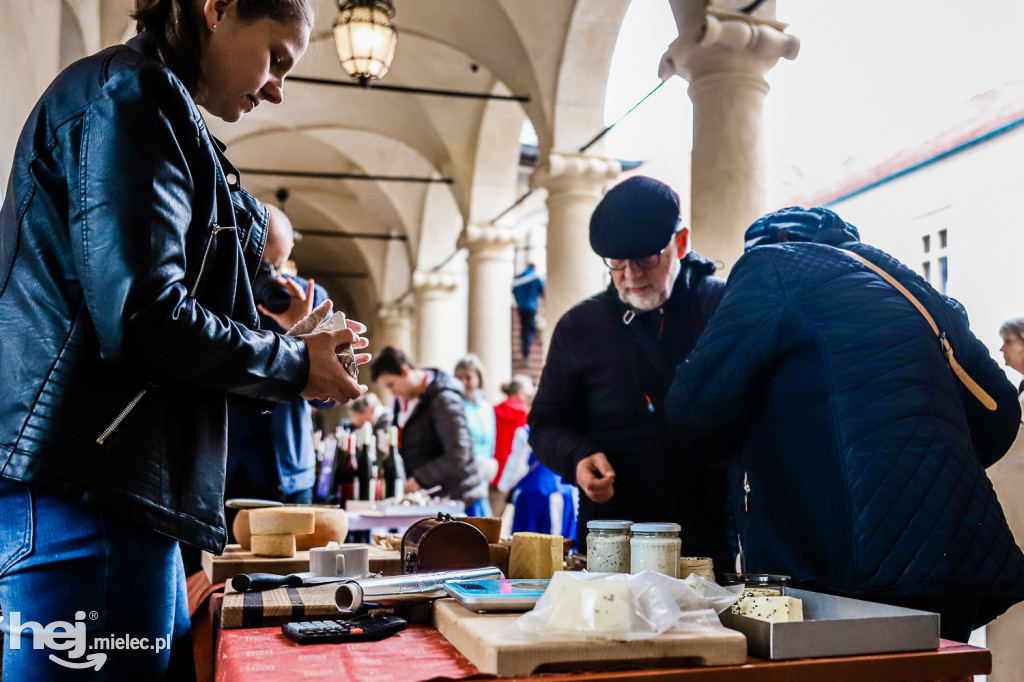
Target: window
[[943, 273], [926, 243], [926, 271], [942, 239]]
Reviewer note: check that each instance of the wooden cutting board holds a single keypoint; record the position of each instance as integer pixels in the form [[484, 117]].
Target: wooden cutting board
[[477, 636], [236, 560]]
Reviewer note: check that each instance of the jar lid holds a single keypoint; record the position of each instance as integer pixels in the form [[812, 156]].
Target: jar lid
[[604, 524], [656, 528]]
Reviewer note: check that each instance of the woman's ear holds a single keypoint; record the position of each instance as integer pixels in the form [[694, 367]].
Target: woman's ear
[[213, 11]]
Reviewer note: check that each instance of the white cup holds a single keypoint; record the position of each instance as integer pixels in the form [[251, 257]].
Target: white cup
[[336, 560]]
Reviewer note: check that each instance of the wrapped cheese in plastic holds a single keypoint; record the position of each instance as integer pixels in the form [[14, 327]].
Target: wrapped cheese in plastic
[[620, 606]]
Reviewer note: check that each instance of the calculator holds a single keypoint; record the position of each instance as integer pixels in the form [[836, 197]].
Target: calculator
[[368, 627]]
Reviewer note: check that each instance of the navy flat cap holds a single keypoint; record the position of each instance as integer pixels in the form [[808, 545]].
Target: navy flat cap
[[636, 218]]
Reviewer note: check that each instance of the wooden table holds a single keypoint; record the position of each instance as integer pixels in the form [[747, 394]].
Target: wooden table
[[421, 653]]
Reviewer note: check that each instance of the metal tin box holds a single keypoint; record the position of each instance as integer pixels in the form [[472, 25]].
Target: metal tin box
[[838, 626]]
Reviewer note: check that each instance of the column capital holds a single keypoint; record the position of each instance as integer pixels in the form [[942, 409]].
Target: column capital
[[728, 42], [572, 171], [394, 312], [486, 237], [433, 283]]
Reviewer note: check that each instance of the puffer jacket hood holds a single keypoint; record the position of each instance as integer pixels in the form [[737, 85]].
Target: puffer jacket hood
[[799, 224]]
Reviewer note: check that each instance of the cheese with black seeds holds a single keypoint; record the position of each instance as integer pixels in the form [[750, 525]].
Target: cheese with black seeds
[[753, 592], [773, 609]]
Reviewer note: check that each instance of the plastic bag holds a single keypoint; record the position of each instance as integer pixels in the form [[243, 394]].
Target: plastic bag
[[618, 606]]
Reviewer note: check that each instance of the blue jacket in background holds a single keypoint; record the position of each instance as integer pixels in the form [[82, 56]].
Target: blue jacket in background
[[858, 459], [527, 288], [263, 447]]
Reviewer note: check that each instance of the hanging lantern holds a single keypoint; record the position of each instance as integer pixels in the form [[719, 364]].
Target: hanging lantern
[[365, 38]]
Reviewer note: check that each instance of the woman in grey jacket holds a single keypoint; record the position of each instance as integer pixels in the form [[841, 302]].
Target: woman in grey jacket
[[126, 318]]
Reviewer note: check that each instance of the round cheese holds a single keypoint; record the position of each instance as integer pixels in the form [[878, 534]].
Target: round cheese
[[282, 521]]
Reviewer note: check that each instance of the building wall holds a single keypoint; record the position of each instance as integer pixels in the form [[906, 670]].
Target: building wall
[[975, 195]]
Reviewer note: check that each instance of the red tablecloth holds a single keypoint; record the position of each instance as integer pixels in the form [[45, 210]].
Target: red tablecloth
[[416, 654]]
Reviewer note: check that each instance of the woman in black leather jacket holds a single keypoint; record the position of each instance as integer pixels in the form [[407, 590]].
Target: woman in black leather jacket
[[126, 320]]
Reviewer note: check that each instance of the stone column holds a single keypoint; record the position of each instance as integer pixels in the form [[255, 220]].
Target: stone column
[[432, 288], [491, 269], [725, 57], [395, 327], [575, 184]]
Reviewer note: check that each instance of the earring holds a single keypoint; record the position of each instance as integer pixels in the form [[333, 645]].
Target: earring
[[214, 27]]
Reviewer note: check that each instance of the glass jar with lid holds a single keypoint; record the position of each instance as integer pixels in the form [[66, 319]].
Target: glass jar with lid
[[608, 546], [655, 547], [701, 565]]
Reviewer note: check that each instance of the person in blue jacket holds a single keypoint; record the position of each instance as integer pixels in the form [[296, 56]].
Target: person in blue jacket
[[857, 456], [527, 288], [270, 454]]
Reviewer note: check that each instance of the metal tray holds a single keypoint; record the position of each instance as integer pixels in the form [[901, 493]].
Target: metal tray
[[838, 626]]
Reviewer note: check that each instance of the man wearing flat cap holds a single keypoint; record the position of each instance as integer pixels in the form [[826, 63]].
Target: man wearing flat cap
[[597, 417]]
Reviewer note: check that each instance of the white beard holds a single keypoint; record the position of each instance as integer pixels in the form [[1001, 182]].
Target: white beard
[[652, 297]]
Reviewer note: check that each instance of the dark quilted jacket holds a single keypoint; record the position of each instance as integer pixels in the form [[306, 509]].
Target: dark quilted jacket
[[436, 445], [865, 457]]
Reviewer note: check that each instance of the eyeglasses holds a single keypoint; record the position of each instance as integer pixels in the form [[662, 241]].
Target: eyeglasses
[[645, 263]]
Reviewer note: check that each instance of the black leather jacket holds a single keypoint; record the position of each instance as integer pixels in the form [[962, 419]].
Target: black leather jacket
[[126, 312]]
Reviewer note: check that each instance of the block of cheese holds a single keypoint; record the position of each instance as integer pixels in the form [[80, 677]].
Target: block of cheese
[[592, 607], [282, 521], [753, 592], [273, 545], [773, 609], [498, 556], [535, 555], [488, 525]]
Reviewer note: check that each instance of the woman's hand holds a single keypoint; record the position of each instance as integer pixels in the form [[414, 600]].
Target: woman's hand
[[328, 380]]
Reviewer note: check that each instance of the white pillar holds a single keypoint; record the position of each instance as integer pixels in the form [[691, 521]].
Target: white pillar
[[432, 289], [491, 269], [395, 320], [725, 57], [575, 184]]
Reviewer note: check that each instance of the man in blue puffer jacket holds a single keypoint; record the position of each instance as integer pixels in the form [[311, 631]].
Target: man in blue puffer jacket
[[857, 456]]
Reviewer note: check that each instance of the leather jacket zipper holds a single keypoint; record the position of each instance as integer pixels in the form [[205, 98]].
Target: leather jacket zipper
[[138, 396], [123, 414], [202, 264]]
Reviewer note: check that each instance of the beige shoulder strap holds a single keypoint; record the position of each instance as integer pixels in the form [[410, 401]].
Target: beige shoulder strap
[[947, 350]]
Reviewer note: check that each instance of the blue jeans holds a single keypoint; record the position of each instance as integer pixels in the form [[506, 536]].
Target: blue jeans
[[82, 574]]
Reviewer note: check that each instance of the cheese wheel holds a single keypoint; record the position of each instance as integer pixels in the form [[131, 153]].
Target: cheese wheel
[[535, 555], [273, 545], [282, 521]]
